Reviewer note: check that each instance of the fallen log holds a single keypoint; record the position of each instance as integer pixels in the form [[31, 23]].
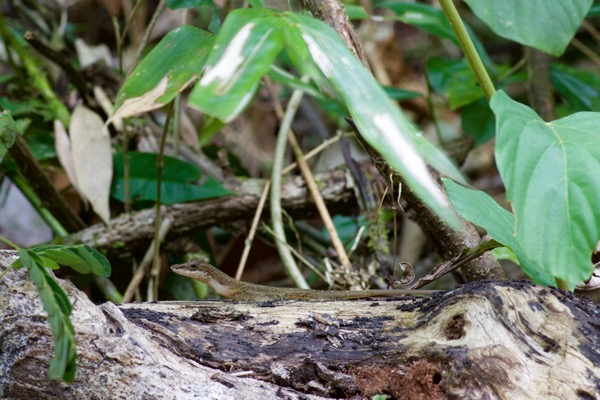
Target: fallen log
[[482, 340]]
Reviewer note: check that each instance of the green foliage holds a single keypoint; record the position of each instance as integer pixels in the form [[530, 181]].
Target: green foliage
[[423, 16], [31, 106], [556, 20], [8, 133], [244, 50], [432, 20], [457, 82], [380, 397], [551, 172], [399, 94], [81, 258], [58, 307], [355, 12], [479, 208], [580, 88], [347, 228], [247, 45], [201, 6], [168, 69], [454, 78], [177, 4], [178, 180], [478, 121]]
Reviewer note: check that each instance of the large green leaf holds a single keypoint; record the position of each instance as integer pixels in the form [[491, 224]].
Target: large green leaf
[[547, 25], [58, 307], [380, 122], [244, 50], [248, 43], [479, 208], [178, 179], [175, 62], [551, 173]]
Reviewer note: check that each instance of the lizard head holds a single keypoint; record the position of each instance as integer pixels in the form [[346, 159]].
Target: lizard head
[[194, 269]]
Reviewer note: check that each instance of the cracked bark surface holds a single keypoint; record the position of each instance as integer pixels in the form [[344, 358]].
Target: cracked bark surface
[[482, 340]]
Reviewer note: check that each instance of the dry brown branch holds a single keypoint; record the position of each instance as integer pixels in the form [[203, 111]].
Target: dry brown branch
[[128, 232]]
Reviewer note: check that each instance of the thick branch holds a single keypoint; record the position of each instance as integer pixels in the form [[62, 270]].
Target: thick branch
[[541, 93], [126, 232]]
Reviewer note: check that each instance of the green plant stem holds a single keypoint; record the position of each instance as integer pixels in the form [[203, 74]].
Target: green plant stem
[[37, 79], [157, 216], [275, 200], [108, 288], [46, 215], [468, 48], [9, 242], [126, 171]]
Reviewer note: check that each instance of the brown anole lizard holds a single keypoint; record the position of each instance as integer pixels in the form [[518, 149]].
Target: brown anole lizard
[[233, 289]]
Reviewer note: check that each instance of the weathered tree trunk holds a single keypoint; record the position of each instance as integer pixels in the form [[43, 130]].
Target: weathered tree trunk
[[508, 340]]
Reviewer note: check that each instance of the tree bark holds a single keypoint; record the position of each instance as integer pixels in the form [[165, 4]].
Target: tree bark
[[482, 340]]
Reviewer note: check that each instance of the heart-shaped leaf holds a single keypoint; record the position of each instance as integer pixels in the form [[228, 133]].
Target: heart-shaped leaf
[[551, 172], [479, 208]]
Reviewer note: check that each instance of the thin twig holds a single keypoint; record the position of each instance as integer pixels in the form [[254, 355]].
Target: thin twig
[[139, 275], [159, 173], [30, 194], [467, 255], [138, 53], [311, 184], [591, 30], [130, 19], [263, 200], [586, 50], [541, 93], [296, 253], [315, 151], [252, 233]]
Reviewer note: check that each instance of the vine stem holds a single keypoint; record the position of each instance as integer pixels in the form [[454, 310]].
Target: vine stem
[[275, 200], [9, 242], [468, 48], [157, 217]]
